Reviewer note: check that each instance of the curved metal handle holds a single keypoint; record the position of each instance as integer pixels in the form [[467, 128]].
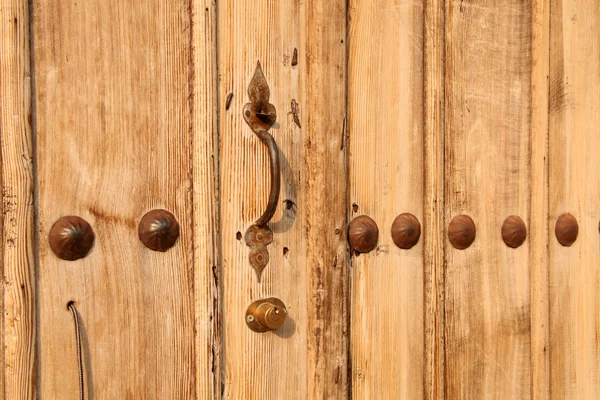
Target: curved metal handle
[[261, 115], [269, 141]]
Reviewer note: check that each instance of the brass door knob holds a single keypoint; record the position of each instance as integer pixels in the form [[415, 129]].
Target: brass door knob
[[266, 315]]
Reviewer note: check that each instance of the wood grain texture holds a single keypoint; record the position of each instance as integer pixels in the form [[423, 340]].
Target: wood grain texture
[[17, 298], [574, 187], [487, 117], [433, 205], [386, 179], [307, 357], [114, 140], [538, 219], [206, 228]]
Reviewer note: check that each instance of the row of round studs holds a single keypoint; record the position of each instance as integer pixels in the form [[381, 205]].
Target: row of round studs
[[72, 237], [363, 232]]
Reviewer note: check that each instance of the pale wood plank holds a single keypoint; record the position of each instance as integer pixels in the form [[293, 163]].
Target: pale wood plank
[[17, 302], [207, 263], [574, 180], [433, 209], [487, 111], [307, 357], [386, 179], [113, 101], [538, 225], [325, 181]]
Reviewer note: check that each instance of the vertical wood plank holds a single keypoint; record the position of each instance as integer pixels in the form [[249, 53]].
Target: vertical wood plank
[[114, 140], [17, 299], [206, 228], [325, 181], [307, 357], [574, 181], [386, 179], [538, 226], [433, 209], [487, 306]]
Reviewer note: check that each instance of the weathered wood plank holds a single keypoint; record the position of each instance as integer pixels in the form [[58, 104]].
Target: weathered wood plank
[[433, 206], [487, 113], [538, 225], [386, 179], [307, 358], [114, 135], [207, 262], [17, 299], [574, 187]]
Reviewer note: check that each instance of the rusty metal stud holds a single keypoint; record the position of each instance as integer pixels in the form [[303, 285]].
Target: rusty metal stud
[[363, 234], [71, 238], [566, 229], [266, 315], [406, 231], [461, 232], [514, 231], [158, 230]]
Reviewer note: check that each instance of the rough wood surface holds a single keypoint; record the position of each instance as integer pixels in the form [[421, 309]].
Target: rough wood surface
[[538, 220], [574, 187], [307, 357], [206, 228], [487, 169], [433, 205], [385, 109], [479, 107], [17, 296], [114, 137]]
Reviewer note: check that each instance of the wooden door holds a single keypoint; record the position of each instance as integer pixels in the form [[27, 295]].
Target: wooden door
[[438, 109]]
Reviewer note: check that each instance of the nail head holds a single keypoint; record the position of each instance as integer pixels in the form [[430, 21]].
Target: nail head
[[71, 238], [461, 232], [566, 229], [514, 231], [363, 234], [158, 230], [406, 231]]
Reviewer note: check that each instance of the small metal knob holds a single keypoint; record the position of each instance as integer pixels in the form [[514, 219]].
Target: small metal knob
[[266, 315]]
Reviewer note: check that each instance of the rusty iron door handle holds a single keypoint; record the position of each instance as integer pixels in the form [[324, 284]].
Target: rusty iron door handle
[[261, 115], [269, 141]]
